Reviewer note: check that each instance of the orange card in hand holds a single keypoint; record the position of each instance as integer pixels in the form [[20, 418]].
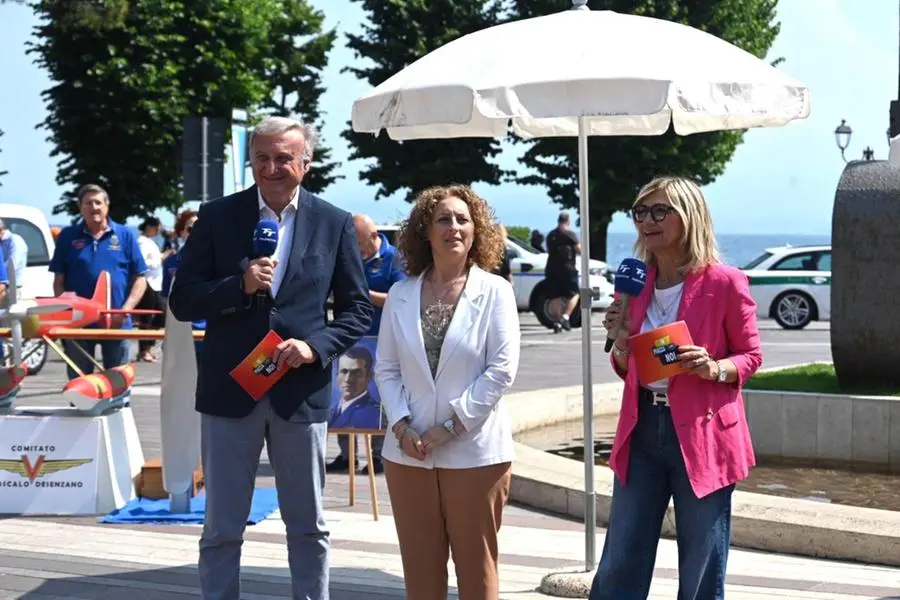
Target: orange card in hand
[[655, 352], [257, 373]]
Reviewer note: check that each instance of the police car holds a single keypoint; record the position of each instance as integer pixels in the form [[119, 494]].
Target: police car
[[792, 284], [30, 223], [527, 265]]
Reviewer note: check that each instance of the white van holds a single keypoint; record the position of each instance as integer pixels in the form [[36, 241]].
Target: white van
[[30, 223]]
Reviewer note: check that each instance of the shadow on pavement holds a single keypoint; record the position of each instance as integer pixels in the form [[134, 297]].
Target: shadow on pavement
[[108, 582]]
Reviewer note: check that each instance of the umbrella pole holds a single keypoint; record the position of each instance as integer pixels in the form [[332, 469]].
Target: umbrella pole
[[590, 496]]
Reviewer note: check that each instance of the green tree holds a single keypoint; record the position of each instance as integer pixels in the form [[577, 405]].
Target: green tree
[[520, 231], [397, 33], [121, 89], [296, 75], [619, 166]]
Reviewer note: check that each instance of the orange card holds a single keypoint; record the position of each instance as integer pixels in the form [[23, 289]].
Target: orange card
[[656, 351], [258, 372]]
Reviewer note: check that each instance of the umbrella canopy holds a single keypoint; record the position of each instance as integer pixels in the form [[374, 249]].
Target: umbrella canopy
[[628, 74]]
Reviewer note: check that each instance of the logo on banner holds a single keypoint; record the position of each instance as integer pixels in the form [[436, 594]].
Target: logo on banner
[[33, 467]]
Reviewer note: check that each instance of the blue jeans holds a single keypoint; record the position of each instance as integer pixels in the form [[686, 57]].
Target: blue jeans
[[115, 353], [656, 472]]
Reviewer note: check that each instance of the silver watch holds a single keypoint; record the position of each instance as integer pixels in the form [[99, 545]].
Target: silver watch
[[449, 426], [723, 373]]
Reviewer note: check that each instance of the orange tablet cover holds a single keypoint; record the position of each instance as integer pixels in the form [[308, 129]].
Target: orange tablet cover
[[258, 372], [656, 351]]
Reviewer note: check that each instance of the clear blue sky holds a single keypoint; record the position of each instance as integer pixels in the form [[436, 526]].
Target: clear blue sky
[[780, 180]]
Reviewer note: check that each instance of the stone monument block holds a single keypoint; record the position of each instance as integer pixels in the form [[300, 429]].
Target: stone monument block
[[865, 283]]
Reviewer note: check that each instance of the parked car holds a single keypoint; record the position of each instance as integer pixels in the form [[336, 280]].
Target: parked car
[[527, 265], [30, 223], [792, 284]]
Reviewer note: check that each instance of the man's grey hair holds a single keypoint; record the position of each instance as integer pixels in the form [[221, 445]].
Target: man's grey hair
[[91, 188], [281, 125]]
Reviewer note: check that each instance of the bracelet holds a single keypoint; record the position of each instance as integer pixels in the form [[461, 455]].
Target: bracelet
[[619, 352]]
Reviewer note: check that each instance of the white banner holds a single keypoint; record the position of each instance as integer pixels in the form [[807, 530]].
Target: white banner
[[48, 464]]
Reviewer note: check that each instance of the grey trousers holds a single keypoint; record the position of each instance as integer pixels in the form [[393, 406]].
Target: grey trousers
[[230, 450]]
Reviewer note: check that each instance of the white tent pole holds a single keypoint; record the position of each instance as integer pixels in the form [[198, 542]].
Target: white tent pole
[[590, 497]]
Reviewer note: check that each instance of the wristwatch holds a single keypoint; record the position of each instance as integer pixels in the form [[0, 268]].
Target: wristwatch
[[449, 426], [723, 373]]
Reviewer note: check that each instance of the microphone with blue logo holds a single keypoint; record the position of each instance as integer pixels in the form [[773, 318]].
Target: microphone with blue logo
[[629, 283], [265, 241]]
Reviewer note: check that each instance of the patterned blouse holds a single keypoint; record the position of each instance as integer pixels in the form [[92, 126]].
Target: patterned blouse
[[436, 319]]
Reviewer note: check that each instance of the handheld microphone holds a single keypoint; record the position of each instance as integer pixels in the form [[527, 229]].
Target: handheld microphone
[[265, 241], [629, 283]]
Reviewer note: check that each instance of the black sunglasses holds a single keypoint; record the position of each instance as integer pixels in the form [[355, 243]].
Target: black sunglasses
[[657, 212]]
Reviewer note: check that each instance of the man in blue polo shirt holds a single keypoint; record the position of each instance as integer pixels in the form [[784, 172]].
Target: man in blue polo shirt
[[383, 267], [83, 251]]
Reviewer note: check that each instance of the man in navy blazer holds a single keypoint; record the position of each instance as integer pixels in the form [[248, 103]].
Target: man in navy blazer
[[241, 297]]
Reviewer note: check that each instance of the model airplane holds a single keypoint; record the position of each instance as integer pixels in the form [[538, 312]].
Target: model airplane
[[71, 311]]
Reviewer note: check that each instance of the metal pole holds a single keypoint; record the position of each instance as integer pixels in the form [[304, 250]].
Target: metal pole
[[204, 159], [894, 113], [590, 496]]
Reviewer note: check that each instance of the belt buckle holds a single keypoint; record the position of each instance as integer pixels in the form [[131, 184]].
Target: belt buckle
[[660, 400]]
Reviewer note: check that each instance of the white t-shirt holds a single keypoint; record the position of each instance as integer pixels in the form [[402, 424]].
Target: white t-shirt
[[663, 309], [153, 258]]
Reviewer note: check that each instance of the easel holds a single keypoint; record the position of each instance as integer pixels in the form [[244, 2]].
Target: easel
[[351, 450]]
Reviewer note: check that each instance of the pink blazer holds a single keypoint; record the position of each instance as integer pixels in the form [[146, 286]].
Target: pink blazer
[[709, 416]]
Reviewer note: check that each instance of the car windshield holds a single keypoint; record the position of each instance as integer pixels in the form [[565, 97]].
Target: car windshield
[[38, 253], [757, 261], [523, 244]]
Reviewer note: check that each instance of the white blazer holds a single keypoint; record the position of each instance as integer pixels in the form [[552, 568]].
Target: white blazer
[[479, 360]]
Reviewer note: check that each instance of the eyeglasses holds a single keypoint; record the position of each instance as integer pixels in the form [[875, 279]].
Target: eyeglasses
[[657, 212]]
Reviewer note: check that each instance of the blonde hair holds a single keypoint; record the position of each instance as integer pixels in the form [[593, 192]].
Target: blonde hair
[[698, 240]]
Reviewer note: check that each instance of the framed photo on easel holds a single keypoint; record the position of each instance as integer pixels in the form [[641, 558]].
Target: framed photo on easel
[[355, 400], [356, 407]]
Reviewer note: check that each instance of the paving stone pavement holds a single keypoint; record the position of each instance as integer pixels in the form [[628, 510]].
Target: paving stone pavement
[[51, 558]]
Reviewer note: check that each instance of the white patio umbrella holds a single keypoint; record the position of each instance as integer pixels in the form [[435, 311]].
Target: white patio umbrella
[[582, 73]]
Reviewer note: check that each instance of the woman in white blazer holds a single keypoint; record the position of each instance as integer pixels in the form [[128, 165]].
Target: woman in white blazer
[[448, 350]]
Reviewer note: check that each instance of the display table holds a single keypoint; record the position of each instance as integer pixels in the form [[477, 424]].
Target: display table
[[60, 461]]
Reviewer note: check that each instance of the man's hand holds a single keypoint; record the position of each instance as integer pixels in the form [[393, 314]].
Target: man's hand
[[293, 353], [436, 436], [116, 320], [259, 274]]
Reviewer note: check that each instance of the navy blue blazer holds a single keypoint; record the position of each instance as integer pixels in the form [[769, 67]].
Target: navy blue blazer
[[325, 259]]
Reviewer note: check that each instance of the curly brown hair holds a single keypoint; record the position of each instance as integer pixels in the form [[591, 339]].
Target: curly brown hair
[[488, 242]]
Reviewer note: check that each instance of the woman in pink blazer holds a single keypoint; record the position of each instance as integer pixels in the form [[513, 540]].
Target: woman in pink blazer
[[684, 438]]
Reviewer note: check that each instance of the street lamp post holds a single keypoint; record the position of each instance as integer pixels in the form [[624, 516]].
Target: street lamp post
[[842, 135]]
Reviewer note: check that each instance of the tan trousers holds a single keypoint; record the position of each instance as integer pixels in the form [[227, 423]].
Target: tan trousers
[[439, 511]]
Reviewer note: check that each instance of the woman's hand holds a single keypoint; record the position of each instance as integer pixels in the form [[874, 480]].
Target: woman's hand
[[697, 360], [611, 320], [436, 436], [412, 445]]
